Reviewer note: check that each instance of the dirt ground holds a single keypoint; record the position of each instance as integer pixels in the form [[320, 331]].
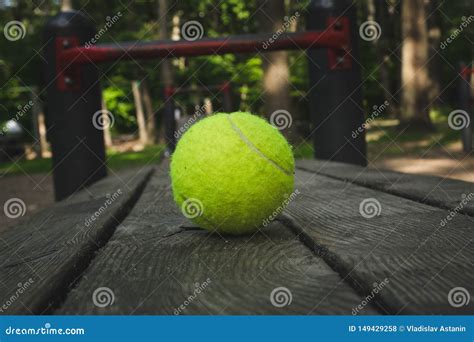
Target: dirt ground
[[35, 191], [448, 162], [462, 168]]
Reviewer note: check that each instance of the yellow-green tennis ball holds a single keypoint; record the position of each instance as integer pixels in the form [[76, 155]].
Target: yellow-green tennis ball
[[232, 173]]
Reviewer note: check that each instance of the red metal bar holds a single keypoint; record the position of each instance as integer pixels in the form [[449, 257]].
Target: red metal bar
[[466, 71], [225, 86], [330, 38]]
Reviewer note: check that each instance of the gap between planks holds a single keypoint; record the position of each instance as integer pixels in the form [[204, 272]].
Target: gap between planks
[[151, 266], [54, 249], [444, 193], [88, 259], [336, 231]]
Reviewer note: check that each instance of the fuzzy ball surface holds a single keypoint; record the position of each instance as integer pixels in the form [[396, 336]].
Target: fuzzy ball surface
[[232, 173]]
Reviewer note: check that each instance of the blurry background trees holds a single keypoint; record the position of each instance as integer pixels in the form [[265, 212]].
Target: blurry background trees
[[405, 66]]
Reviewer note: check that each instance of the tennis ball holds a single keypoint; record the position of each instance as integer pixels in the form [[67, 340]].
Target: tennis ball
[[232, 173]]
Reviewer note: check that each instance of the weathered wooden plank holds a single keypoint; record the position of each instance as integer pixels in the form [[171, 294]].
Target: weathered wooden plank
[[441, 192], [407, 244], [42, 257], [152, 266]]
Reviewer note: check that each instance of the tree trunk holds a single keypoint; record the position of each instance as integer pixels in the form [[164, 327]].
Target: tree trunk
[[166, 67], [107, 135], [415, 77], [150, 115], [142, 133], [378, 11], [276, 74], [208, 106], [66, 5], [39, 125], [434, 39]]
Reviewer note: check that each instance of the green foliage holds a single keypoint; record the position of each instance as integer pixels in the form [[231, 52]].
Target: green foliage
[[117, 102], [20, 62], [115, 161], [149, 156], [304, 151]]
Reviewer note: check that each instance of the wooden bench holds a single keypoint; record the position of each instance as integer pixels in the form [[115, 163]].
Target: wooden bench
[[125, 234]]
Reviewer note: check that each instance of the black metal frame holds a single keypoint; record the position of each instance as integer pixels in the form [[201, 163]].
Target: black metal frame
[[74, 95]]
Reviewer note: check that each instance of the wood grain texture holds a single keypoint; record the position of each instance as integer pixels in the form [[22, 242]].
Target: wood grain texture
[[421, 259], [50, 251], [156, 258], [441, 192]]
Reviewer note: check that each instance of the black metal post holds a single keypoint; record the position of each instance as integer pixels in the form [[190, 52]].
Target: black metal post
[[335, 87], [465, 105], [73, 98]]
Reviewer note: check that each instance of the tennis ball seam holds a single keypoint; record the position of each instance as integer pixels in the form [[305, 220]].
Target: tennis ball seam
[[254, 148]]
